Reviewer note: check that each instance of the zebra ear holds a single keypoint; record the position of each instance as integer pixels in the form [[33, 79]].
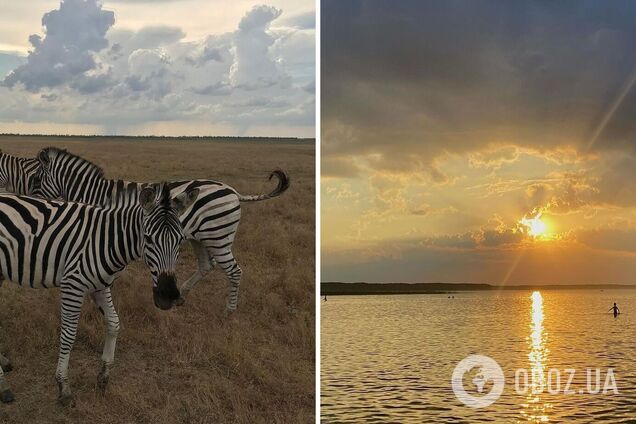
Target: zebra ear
[[43, 157], [183, 201], [147, 198]]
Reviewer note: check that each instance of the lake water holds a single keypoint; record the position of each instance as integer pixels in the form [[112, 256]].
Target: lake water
[[391, 358]]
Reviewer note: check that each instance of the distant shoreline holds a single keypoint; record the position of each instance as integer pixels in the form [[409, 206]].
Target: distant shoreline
[[359, 288]]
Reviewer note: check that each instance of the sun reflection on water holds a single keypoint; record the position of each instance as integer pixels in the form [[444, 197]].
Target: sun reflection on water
[[536, 408]]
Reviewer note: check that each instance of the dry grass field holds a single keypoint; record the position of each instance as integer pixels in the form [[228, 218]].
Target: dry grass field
[[191, 364]]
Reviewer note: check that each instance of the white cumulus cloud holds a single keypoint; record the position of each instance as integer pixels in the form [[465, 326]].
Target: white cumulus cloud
[[84, 70], [73, 33]]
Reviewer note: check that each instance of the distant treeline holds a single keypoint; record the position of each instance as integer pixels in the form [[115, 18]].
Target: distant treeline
[[159, 137], [338, 288]]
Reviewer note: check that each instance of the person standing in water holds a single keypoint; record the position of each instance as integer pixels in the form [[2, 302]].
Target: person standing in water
[[615, 309]]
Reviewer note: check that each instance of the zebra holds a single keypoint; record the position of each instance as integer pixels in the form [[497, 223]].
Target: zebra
[[210, 225], [82, 249], [16, 174]]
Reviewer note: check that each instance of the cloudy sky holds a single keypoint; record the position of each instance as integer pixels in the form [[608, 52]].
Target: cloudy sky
[[446, 123], [168, 67]]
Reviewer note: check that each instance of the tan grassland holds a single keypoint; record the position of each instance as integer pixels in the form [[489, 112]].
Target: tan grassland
[[192, 364]]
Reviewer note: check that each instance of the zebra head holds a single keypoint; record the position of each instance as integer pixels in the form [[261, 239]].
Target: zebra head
[[162, 237], [50, 173], [17, 174]]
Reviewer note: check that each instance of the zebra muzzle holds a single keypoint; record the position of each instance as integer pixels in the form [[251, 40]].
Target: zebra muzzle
[[166, 291]]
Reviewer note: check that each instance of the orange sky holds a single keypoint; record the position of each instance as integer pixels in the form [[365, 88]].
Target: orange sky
[[438, 138]]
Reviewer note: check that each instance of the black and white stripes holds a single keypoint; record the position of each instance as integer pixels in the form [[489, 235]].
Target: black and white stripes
[[210, 224], [16, 174], [81, 249], [83, 240]]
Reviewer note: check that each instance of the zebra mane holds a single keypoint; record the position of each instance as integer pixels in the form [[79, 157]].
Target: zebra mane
[[129, 195], [92, 168], [165, 194]]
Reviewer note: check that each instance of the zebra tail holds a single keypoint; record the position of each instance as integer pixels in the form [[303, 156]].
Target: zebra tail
[[283, 185]]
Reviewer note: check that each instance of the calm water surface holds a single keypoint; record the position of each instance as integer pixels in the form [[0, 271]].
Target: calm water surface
[[390, 358]]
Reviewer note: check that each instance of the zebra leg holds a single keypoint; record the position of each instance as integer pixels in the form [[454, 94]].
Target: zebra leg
[[206, 263], [6, 395], [71, 308], [5, 364], [232, 270], [104, 302]]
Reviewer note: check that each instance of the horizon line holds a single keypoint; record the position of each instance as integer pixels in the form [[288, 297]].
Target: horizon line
[[156, 136], [487, 284]]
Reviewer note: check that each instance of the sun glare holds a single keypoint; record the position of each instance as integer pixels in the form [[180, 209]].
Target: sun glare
[[535, 226]]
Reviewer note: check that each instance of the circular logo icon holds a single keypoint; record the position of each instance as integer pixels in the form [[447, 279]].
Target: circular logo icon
[[487, 379]]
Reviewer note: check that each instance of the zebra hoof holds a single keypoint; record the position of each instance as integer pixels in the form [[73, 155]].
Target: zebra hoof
[[180, 301], [229, 313], [102, 381], [7, 367], [67, 401], [7, 396]]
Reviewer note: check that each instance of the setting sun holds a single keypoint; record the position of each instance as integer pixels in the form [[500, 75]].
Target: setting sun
[[535, 226]]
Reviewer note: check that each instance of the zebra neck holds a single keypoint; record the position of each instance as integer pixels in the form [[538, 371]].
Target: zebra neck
[[92, 190], [127, 224], [124, 193]]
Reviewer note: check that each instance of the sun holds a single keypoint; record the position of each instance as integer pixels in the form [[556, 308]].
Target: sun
[[535, 226]]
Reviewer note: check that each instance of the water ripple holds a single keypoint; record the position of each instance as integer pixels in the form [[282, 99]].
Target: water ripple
[[390, 358]]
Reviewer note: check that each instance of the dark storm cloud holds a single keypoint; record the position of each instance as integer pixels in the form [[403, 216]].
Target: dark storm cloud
[[73, 33], [414, 79]]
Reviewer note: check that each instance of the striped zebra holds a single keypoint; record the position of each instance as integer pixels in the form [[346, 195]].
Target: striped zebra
[[16, 174], [82, 249], [210, 225]]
